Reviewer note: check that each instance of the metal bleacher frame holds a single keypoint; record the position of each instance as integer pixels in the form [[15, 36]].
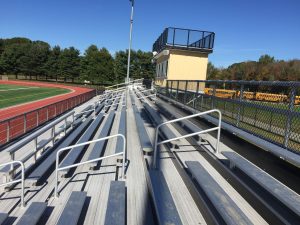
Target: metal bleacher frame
[[218, 128], [123, 153], [22, 179]]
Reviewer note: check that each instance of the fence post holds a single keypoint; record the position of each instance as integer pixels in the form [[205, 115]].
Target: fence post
[[167, 88], [47, 113], [213, 97], [8, 131], [185, 89], [37, 117], [53, 134], [25, 123], [196, 95], [35, 149], [238, 118], [289, 117], [177, 90], [171, 92], [66, 126]]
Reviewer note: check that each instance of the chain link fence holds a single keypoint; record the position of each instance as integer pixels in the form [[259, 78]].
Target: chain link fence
[[16, 126], [269, 110]]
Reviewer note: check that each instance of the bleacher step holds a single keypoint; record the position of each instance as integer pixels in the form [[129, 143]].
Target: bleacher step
[[3, 217], [73, 208], [165, 207], [116, 206], [33, 214], [284, 194], [225, 206]]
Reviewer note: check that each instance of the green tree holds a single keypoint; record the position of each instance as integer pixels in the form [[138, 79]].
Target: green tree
[[266, 59], [140, 65], [120, 66], [97, 65], [69, 63], [52, 65]]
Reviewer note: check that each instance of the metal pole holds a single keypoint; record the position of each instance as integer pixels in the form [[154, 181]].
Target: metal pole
[[130, 41]]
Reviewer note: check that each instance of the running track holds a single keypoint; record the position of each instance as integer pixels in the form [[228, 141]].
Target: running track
[[13, 111], [18, 120]]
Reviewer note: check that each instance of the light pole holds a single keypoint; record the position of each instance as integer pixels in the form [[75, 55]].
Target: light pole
[[130, 38]]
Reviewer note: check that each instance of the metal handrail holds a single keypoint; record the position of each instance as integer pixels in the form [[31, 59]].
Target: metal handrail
[[144, 90], [57, 169], [22, 179], [106, 106], [115, 90], [194, 99], [113, 98], [156, 143], [93, 106], [125, 83], [147, 96]]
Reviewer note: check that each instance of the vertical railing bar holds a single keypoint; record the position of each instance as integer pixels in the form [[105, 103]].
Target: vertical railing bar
[[240, 105], [290, 116]]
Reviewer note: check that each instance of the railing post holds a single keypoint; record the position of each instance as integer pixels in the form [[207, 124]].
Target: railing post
[[188, 39], [8, 131], [167, 88], [47, 113], [37, 118], [196, 95], [66, 126], [185, 89], [171, 91], [238, 118], [289, 117], [24, 123], [35, 149], [53, 134], [177, 90], [271, 121], [213, 97]]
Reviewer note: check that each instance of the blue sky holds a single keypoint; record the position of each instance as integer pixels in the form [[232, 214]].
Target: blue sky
[[244, 29]]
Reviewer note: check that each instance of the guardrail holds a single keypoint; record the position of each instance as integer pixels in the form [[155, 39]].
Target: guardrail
[[123, 153], [18, 125], [218, 128], [34, 137], [267, 109], [184, 38], [22, 179]]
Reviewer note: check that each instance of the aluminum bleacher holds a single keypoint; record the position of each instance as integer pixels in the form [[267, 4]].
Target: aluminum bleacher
[[75, 177]]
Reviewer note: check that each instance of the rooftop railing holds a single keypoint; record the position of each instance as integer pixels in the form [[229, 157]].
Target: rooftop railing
[[185, 39]]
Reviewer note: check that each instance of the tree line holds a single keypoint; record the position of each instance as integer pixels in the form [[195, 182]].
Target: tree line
[[267, 68], [22, 56]]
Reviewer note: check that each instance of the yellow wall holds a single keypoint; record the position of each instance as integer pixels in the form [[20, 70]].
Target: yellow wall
[[187, 65], [184, 65]]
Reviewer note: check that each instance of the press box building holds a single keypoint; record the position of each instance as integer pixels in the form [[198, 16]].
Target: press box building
[[182, 54]]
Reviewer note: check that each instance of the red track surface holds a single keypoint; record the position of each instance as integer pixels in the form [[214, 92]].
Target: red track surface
[[10, 112], [18, 120]]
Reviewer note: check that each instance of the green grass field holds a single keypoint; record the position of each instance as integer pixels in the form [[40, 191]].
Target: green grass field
[[11, 95]]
